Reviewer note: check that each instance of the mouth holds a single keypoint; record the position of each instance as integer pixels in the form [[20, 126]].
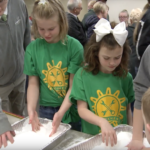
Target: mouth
[[48, 38], [112, 67]]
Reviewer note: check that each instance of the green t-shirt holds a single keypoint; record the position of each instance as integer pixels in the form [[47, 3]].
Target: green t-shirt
[[52, 63], [107, 96]]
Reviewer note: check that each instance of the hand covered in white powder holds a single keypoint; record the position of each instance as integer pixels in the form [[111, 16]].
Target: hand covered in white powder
[[108, 133], [34, 121], [135, 145], [56, 122], [6, 136]]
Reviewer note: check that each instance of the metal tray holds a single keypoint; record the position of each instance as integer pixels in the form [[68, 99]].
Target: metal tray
[[19, 125], [97, 139]]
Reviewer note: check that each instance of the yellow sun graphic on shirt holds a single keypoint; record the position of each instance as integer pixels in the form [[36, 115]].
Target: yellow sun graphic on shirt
[[109, 106], [55, 78]]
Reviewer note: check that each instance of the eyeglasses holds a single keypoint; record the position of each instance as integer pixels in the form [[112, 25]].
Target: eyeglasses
[[122, 17], [80, 8]]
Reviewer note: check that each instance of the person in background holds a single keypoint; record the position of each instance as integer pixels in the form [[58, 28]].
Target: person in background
[[6, 131], [76, 29], [90, 11], [51, 62], [124, 16], [133, 61], [14, 38], [141, 84], [103, 89], [101, 11], [104, 1], [146, 115], [142, 31]]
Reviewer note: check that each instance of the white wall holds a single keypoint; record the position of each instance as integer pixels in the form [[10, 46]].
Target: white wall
[[29, 4], [115, 6]]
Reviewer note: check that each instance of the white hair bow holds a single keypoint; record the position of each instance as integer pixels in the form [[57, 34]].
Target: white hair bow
[[42, 2], [103, 28]]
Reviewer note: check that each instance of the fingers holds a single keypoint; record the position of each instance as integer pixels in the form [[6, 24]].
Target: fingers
[[13, 133], [4, 140], [115, 138], [53, 131], [10, 137], [109, 138]]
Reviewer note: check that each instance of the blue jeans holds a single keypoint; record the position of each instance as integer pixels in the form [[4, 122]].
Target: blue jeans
[[48, 112]]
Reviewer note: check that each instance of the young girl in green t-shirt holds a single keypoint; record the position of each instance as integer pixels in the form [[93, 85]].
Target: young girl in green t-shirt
[[51, 62], [103, 88]]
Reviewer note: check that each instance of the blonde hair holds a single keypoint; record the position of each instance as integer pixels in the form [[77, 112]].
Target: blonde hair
[[146, 105], [146, 7], [48, 10], [135, 14], [91, 3], [100, 7]]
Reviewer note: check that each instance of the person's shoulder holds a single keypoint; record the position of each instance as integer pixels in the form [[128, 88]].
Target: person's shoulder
[[34, 45], [128, 78], [73, 42], [20, 2], [81, 72]]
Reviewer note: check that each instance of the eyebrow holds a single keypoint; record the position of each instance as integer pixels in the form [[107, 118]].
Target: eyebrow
[[109, 57]]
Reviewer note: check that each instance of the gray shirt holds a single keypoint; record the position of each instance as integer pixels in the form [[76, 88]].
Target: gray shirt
[[142, 79], [14, 37], [4, 124]]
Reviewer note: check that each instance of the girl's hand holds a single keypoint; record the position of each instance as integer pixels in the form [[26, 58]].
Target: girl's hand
[[6, 136], [56, 122], [34, 121], [135, 145], [108, 133]]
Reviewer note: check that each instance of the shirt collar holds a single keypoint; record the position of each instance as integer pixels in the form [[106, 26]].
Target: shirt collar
[[74, 15]]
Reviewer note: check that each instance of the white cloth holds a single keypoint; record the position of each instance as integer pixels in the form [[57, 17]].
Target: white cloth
[[103, 28], [42, 2]]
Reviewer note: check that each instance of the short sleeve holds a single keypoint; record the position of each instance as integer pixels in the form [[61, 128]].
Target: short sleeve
[[78, 92], [128, 88], [29, 65], [130, 94], [76, 56]]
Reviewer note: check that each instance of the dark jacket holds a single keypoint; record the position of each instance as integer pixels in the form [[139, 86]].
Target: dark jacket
[[133, 60], [143, 34], [76, 29], [87, 15], [89, 25]]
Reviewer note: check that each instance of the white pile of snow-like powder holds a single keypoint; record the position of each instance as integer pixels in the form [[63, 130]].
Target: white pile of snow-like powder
[[123, 139], [26, 139]]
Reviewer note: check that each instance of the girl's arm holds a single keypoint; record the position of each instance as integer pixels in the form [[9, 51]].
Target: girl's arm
[[129, 115], [107, 130], [32, 99], [64, 107], [137, 139]]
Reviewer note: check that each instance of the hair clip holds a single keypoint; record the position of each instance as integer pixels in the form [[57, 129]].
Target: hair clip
[[42, 2]]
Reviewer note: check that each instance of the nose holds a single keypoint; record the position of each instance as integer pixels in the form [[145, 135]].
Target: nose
[[47, 33], [112, 62]]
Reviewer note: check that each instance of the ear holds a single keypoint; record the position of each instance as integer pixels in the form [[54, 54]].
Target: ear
[[148, 127]]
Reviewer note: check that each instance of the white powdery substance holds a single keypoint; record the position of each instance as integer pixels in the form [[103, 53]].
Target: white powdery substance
[[123, 139], [27, 139]]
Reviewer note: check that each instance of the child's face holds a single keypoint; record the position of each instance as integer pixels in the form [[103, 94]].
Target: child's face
[[109, 59], [49, 29]]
